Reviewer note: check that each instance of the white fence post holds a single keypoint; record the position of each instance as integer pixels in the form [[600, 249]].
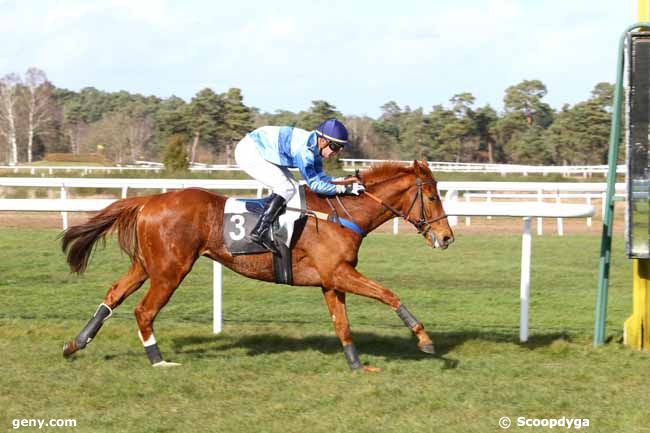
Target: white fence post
[[64, 215], [540, 220], [395, 225], [451, 195], [489, 200], [560, 222], [217, 318], [524, 288]]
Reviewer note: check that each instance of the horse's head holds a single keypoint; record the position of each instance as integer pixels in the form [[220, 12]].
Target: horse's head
[[411, 193], [425, 209]]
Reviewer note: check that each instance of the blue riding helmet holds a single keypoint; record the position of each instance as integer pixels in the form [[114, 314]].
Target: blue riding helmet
[[333, 130]]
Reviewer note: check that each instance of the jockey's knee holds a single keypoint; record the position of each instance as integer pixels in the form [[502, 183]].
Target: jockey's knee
[[286, 191]]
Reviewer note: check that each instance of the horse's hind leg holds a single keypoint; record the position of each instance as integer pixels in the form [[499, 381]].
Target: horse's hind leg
[[336, 305], [118, 292]]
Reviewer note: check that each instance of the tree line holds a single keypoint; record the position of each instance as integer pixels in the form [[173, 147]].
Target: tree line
[[38, 118]]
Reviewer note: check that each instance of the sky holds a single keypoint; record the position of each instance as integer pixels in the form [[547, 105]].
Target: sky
[[283, 54]]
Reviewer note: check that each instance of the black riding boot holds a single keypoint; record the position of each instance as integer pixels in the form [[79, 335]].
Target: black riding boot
[[261, 233]]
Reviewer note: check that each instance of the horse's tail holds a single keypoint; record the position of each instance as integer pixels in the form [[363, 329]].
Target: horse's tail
[[78, 241]]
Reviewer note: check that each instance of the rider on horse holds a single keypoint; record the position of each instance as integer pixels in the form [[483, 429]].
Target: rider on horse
[[267, 153]]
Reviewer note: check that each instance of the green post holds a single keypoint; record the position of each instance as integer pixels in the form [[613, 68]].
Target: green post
[[608, 217]]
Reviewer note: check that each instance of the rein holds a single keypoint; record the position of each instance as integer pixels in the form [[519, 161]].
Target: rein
[[422, 224]]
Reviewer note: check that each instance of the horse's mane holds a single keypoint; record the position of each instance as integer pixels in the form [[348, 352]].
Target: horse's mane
[[386, 170]]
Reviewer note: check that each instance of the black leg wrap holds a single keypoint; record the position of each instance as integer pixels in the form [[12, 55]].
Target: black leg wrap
[[409, 320], [351, 356], [92, 327], [153, 354]]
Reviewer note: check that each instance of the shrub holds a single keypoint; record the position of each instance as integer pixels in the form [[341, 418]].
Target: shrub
[[175, 156]]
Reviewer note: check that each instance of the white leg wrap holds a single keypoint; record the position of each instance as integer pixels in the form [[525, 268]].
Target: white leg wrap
[[150, 341]]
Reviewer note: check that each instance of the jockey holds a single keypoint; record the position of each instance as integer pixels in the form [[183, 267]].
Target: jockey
[[267, 153]]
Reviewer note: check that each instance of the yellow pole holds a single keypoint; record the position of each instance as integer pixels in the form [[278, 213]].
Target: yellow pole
[[636, 332], [643, 11], [637, 326]]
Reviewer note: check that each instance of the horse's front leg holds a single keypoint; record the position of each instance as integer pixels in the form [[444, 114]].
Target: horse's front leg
[[335, 301], [348, 279]]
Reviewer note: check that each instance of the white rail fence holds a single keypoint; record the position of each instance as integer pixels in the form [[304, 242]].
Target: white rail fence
[[502, 169], [66, 185], [525, 210], [470, 192], [349, 164], [534, 192], [89, 169]]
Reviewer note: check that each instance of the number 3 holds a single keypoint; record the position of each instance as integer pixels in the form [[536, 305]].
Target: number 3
[[239, 224]]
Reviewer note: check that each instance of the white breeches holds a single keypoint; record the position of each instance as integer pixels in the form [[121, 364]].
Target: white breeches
[[278, 179]]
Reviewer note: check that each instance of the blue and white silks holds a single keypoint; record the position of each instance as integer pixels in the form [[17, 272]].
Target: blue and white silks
[[291, 147]]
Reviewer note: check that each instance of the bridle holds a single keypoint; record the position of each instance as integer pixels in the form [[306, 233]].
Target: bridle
[[422, 224]]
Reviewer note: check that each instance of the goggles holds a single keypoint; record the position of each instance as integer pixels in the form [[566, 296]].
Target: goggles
[[334, 146]]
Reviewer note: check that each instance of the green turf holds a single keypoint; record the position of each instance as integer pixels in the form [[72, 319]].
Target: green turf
[[278, 367]]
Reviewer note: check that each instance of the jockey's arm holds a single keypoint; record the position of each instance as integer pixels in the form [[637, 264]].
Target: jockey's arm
[[317, 180], [321, 186], [321, 183]]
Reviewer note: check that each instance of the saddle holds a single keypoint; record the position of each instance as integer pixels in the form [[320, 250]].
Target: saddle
[[241, 215]]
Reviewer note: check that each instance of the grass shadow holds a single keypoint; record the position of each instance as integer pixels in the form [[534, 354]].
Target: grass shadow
[[447, 341], [389, 347]]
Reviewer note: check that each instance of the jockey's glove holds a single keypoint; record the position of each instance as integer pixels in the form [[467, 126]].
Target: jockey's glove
[[350, 189]]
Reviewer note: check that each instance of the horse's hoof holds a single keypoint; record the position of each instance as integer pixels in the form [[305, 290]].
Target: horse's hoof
[[427, 348], [69, 348], [165, 364], [368, 369]]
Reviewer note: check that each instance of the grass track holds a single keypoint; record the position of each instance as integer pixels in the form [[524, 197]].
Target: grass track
[[278, 366]]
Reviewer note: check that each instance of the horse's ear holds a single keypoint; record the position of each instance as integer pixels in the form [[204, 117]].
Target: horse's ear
[[416, 167], [421, 168]]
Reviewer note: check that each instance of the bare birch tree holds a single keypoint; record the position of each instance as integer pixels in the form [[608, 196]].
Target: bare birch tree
[[140, 133], [8, 96], [38, 92], [74, 126], [140, 128]]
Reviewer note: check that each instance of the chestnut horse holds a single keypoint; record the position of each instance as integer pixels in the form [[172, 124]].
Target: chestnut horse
[[165, 234]]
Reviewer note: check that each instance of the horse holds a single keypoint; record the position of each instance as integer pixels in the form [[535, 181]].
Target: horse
[[164, 234]]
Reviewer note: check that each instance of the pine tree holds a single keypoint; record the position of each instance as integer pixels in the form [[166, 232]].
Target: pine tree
[[237, 121], [206, 119], [175, 156]]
